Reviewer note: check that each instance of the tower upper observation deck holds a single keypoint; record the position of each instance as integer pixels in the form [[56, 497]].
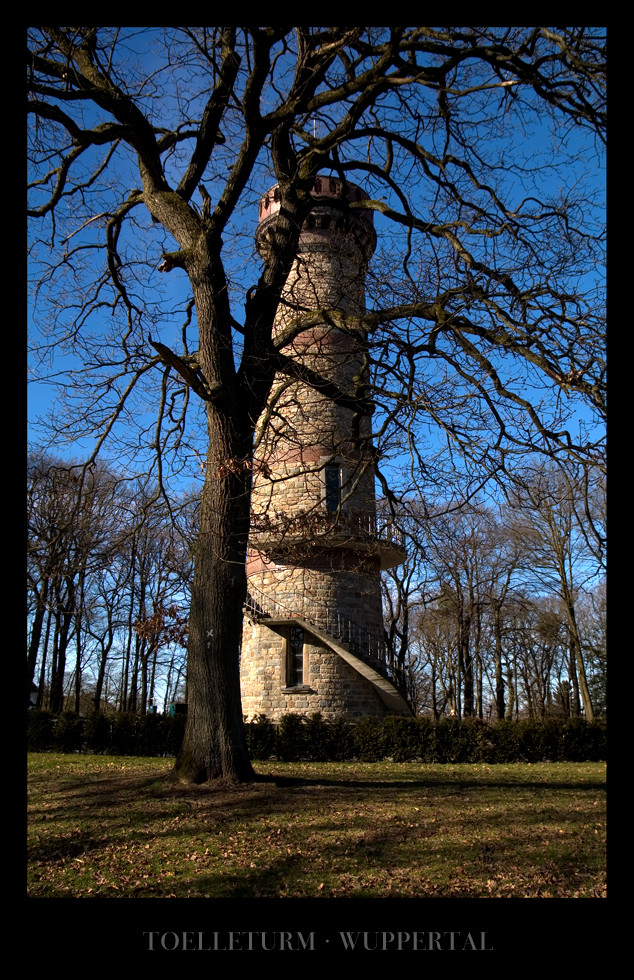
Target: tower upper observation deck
[[331, 215]]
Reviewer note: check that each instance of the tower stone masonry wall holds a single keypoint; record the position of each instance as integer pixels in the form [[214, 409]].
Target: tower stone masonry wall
[[308, 558], [334, 689]]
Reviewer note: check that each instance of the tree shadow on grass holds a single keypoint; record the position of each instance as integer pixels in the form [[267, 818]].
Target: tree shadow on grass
[[428, 783], [92, 819]]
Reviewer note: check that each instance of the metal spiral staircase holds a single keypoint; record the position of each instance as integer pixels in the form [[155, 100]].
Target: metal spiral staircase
[[366, 653]]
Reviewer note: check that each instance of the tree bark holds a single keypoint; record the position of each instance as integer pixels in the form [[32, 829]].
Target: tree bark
[[466, 666], [36, 635], [101, 673], [576, 660], [214, 743], [63, 622]]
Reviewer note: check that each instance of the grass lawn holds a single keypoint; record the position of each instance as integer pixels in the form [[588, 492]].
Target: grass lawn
[[105, 827]]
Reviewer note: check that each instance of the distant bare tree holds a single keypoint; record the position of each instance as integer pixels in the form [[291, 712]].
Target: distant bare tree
[[546, 516]]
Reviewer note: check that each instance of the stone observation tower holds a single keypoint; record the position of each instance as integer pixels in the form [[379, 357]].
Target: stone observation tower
[[313, 630]]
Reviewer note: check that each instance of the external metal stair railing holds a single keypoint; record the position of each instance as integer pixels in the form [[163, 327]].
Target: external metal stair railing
[[360, 642]]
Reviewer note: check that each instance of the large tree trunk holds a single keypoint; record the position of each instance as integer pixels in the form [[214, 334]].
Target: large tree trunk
[[214, 744]]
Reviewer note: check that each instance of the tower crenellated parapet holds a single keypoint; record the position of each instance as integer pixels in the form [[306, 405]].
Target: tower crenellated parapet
[[332, 216]]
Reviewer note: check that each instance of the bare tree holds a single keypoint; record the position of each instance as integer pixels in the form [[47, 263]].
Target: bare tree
[[472, 567], [73, 533], [147, 145], [539, 651], [498, 611], [96, 563], [547, 517]]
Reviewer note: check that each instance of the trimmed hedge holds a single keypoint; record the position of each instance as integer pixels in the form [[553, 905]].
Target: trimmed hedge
[[316, 739], [117, 734], [39, 731], [399, 739]]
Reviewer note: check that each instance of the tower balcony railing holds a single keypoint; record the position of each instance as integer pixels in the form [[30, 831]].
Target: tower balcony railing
[[357, 530], [368, 647], [369, 525]]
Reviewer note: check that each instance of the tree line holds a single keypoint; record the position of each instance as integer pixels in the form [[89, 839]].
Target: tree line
[[108, 577], [498, 611]]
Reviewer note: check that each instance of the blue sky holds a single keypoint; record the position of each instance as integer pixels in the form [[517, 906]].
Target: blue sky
[[520, 151]]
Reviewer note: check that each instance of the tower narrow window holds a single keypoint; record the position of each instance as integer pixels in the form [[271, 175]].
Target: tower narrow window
[[332, 476], [295, 657]]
